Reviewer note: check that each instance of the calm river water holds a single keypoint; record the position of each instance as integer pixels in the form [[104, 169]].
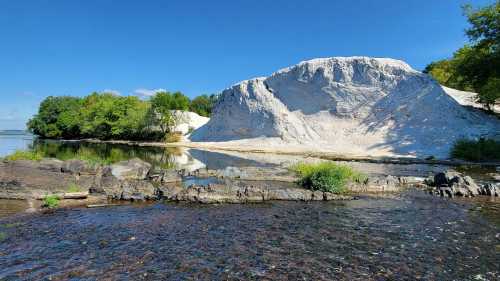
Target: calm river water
[[408, 236], [411, 236]]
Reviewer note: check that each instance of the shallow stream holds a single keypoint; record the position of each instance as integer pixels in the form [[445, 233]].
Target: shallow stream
[[407, 236]]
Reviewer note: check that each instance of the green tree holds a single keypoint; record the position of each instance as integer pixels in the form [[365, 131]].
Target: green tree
[[490, 93], [107, 116], [57, 117], [475, 67], [162, 104], [203, 104]]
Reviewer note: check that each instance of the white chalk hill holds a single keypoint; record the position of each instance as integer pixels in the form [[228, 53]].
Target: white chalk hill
[[352, 105]]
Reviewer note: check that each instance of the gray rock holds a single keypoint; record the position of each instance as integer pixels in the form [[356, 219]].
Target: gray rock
[[29, 179], [244, 192], [451, 183], [445, 178], [138, 190], [169, 176], [133, 169], [115, 188], [79, 167], [51, 164], [378, 184], [490, 189]]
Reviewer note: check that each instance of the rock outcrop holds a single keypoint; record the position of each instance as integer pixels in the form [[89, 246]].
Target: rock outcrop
[[234, 191], [451, 183], [360, 105], [32, 179], [135, 180]]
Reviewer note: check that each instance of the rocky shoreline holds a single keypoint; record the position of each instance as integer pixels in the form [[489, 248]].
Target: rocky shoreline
[[136, 180]]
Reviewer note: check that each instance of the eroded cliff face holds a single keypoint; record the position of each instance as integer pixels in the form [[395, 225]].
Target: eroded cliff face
[[354, 105]]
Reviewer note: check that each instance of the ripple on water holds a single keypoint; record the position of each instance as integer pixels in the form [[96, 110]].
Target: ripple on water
[[411, 236]]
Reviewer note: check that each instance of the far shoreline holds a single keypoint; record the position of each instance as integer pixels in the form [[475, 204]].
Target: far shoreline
[[325, 155]]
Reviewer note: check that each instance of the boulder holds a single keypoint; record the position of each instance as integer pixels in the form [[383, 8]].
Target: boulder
[[244, 192], [79, 167], [446, 178], [133, 169], [129, 189], [25, 179], [50, 164], [490, 189], [451, 183], [378, 184], [138, 190]]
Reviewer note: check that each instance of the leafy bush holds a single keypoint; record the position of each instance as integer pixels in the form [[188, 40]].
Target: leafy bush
[[173, 137], [73, 187], [51, 201], [25, 155], [326, 176], [481, 150], [203, 104]]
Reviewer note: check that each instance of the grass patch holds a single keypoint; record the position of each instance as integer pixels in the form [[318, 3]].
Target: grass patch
[[73, 187], [24, 155], [173, 137], [326, 176], [51, 201], [3, 236], [480, 150]]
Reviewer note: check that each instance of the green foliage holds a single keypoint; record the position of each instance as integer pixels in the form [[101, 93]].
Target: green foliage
[[73, 187], [203, 104], [326, 176], [58, 117], [481, 150], [24, 155], [108, 116], [3, 236], [173, 137], [490, 92], [161, 111], [475, 67], [51, 201]]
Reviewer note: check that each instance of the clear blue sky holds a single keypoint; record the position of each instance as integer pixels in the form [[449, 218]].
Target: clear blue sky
[[62, 47]]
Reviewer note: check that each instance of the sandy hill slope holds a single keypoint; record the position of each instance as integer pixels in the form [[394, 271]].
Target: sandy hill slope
[[351, 105]]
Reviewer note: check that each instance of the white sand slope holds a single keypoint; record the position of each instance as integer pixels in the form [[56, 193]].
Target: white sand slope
[[467, 98], [188, 121], [347, 105]]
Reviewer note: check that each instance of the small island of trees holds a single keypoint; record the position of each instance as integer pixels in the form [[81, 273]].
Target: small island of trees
[[107, 116]]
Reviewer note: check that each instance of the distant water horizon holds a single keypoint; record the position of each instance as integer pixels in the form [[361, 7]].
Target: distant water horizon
[[12, 140], [14, 131]]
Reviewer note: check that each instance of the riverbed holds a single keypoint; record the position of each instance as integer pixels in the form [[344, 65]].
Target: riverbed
[[403, 236], [410, 236]]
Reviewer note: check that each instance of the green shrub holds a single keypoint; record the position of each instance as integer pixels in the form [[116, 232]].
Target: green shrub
[[51, 201], [326, 176], [481, 150], [173, 137], [73, 187], [25, 155]]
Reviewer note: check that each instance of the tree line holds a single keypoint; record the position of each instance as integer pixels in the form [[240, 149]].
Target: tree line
[[476, 66], [108, 116]]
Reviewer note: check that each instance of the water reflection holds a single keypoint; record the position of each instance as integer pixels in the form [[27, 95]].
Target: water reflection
[[10, 142], [159, 157], [107, 153]]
